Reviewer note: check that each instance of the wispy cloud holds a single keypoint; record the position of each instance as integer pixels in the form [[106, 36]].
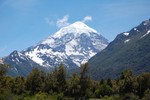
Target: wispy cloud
[[63, 22], [49, 22], [87, 18]]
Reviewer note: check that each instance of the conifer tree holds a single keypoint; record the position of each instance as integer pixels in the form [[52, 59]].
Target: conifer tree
[[84, 80], [18, 86], [34, 81], [61, 78]]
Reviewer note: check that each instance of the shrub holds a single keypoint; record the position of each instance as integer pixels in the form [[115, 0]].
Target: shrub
[[41, 96], [130, 96]]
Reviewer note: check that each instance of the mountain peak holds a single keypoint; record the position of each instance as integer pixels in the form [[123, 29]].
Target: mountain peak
[[15, 52], [75, 28], [80, 25], [146, 22], [72, 45]]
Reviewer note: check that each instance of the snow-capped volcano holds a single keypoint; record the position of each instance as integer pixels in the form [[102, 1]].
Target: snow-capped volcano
[[72, 45], [76, 28]]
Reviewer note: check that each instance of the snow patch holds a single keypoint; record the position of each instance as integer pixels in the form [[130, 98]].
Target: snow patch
[[15, 69], [145, 23], [146, 34], [49, 41], [126, 34], [126, 40], [17, 59], [13, 60], [33, 55], [91, 54], [70, 47], [135, 29]]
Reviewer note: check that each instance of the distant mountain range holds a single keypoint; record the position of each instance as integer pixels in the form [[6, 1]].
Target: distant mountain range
[[71, 45], [77, 43], [129, 50]]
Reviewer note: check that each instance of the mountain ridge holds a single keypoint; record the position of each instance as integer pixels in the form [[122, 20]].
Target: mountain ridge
[[19, 64], [129, 50]]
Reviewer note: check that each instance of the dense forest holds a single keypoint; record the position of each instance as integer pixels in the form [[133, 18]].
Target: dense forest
[[56, 85]]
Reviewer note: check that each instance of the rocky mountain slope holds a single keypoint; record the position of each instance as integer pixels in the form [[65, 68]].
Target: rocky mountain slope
[[72, 45], [19, 64], [129, 50]]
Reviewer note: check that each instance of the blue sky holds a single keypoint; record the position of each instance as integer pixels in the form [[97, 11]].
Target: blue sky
[[24, 23]]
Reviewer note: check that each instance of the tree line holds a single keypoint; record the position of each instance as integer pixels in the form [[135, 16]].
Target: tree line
[[76, 87]]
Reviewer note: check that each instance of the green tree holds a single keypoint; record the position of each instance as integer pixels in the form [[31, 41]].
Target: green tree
[[84, 81], [3, 70], [51, 82], [127, 82], [109, 82], [93, 87], [43, 81], [130, 96], [103, 90], [73, 86], [34, 81], [101, 81], [7, 84], [143, 83], [56, 80], [146, 95], [18, 86], [61, 78]]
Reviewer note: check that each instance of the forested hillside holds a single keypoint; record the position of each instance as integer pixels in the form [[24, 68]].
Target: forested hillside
[[129, 49], [39, 85]]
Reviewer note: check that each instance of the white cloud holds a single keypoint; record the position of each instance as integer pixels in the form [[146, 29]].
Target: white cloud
[[63, 22], [87, 18], [49, 22]]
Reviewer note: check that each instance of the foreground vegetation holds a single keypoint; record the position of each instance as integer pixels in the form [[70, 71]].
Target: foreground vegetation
[[39, 85]]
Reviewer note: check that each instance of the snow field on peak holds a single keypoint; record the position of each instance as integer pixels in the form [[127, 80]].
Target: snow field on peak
[[33, 55], [126, 33], [69, 48], [75, 43], [77, 28]]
